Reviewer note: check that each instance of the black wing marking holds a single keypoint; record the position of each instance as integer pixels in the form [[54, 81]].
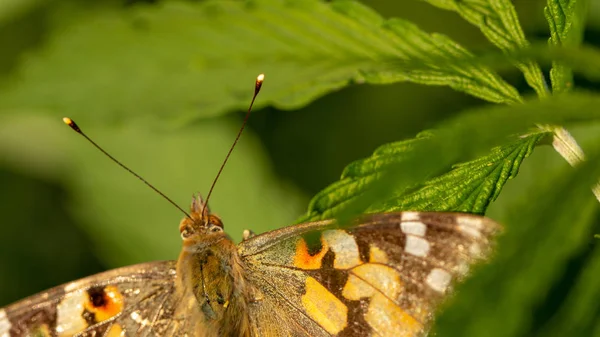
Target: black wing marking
[[138, 300], [396, 264]]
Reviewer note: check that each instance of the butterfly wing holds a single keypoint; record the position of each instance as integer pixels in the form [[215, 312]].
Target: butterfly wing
[[138, 300], [384, 276]]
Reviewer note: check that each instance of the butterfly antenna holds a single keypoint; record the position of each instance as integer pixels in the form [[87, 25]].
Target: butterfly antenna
[[257, 85], [75, 127]]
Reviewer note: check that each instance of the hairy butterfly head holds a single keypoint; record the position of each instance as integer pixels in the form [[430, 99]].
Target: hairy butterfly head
[[201, 225]]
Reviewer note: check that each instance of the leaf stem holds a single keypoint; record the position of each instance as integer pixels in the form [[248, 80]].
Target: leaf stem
[[567, 147]]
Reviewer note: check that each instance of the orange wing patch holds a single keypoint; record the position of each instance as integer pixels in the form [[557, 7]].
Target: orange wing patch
[[382, 285], [115, 331], [322, 306], [387, 319], [377, 255], [303, 258], [104, 303]]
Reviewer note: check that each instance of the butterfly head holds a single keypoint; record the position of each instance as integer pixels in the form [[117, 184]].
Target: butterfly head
[[201, 223]]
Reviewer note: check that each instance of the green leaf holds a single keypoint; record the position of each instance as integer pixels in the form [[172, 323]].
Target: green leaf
[[181, 61], [12, 9], [566, 20], [498, 21], [424, 53], [471, 186], [467, 136], [579, 315], [545, 229], [583, 59], [468, 187]]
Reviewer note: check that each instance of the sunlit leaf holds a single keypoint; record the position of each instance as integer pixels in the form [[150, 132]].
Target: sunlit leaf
[[468, 187], [498, 21], [566, 20], [471, 186], [186, 60]]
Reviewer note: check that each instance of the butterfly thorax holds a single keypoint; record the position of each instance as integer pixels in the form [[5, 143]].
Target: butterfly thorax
[[210, 271]]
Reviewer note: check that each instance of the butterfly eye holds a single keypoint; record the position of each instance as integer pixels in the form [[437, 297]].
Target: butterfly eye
[[185, 234], [215, 228], [214, 221]]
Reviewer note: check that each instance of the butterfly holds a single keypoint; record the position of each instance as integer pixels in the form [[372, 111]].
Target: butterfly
[[384, 275]]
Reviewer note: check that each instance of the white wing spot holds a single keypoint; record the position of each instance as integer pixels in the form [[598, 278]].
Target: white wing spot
[[438, 280], [471, 221], [69, 320], [475, 250], [414, 228], [410, 216], [4, 324], [474, 232], [71, 287], [463, 268], [470, 225], [136, 317], [345, 248], [416, 246]]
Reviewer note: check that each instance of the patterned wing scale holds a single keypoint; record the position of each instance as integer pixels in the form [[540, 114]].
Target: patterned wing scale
[[138, 300], [382, 277]]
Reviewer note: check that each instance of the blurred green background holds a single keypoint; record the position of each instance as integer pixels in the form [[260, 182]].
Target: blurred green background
[[68, 212]]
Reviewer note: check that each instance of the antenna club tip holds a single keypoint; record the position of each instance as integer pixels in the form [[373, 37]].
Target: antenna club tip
[[72, 124], [259, 81]]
